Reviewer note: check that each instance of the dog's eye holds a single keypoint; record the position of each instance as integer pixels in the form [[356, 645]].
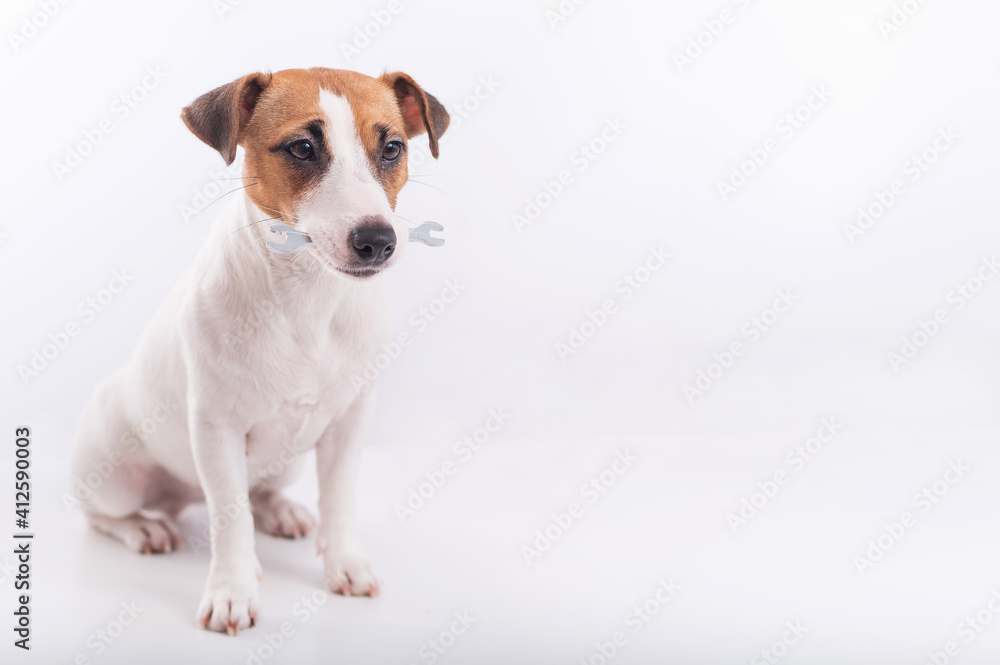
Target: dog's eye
[[302, 150], [392, 151]]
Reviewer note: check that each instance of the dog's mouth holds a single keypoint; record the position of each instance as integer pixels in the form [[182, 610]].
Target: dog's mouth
[[357, 273], [360, 273]]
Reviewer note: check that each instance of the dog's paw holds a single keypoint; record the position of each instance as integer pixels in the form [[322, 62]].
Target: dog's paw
[[349, 574], [277, 516], [144, 535], [230, 603]]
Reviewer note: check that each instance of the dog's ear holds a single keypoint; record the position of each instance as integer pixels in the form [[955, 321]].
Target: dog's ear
[[422, 112], [219, 117]]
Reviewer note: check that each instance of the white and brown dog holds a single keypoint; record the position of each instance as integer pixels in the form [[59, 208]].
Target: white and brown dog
[[257, 350]]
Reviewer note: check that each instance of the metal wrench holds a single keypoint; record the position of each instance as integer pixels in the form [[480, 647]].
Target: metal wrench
[[423, 234], [295, 238]]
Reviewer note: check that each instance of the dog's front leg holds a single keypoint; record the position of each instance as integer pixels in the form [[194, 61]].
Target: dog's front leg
[[338, 454], [230, 600]]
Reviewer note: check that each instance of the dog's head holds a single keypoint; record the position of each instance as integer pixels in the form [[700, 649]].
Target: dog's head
[[326, 151]]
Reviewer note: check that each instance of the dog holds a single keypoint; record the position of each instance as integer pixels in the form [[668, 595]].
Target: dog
[[253, 358]]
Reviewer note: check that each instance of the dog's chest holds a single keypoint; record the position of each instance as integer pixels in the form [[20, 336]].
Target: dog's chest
[[315, 373]]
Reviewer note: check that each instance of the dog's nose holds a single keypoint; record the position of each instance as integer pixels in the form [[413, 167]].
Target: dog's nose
[[373, 242]]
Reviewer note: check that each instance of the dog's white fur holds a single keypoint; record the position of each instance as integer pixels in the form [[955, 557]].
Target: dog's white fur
[[257, 352]]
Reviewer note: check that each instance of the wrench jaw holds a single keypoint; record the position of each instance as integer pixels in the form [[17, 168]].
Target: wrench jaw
[[422, 234], [293, 239]]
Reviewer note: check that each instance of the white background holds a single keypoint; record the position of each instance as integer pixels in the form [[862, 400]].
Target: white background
[[655, 186]]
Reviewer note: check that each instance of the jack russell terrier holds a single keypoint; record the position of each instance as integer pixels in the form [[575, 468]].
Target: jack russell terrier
[[257, 349]]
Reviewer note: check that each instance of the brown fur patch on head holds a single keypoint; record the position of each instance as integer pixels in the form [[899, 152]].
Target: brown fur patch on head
[[288, 111], [265, 113], [377, 121]]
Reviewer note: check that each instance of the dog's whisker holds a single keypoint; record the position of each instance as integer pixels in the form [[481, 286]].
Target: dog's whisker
[[290, 216], [427, 184], [238, 177], [248, 245], [227, 194], [251, 224], [409, 222], [297, 258]]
